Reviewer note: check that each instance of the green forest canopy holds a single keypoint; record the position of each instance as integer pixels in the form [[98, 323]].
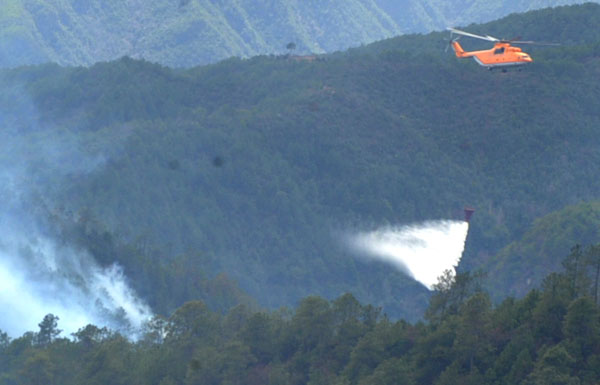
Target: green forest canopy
[[248, 167], [551, 336]]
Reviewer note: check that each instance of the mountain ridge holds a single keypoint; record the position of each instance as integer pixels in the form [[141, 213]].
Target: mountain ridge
[[185, 33]]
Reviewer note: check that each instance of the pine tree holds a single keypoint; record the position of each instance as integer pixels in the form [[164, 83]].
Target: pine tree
[[48, 330]]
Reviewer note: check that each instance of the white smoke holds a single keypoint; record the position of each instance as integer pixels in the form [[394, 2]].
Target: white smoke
[[38, 277], [38, 273], [423, 251]]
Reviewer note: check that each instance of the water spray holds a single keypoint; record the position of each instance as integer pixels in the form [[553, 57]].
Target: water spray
[[423, 251]]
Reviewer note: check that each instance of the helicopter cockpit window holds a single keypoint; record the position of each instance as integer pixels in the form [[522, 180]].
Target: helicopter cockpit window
[[499, 51]]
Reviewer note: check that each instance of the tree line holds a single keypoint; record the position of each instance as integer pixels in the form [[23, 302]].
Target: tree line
[[550, 336]]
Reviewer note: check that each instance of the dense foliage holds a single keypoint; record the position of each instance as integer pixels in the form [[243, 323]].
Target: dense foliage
[[182, 33], [253, 167], [518, 267], [551, 336]]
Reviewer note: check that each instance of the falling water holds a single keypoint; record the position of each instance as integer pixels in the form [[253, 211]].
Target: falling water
[[423, 251]]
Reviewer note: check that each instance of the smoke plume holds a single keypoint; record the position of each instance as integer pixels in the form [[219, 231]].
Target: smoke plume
[[38, 277], [40, 273], [423, 251]]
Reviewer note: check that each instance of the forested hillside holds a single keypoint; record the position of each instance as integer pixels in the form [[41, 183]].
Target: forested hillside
[[254, 167], [522, 264], [184, 33], [551, 336]]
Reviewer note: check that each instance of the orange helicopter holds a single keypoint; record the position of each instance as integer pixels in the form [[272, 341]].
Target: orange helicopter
[[502, 55]]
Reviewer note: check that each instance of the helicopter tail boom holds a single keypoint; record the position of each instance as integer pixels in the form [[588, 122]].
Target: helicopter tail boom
[[460, 52]]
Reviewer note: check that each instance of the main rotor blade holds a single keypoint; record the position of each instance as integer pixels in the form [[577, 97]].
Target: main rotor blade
[[459, 32], [532, 42]]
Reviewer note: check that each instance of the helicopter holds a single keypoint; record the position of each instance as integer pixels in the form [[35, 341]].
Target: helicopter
[[502, 55]]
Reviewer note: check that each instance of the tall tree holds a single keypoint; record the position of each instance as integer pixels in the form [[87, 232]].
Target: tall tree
[[450, 292], [48, 330], [581, 328], [549, 311], [4, 340], [575, 272], [472, 343], [593, 259], [553, 368]]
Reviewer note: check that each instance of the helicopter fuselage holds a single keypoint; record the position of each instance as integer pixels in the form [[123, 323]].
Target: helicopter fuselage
[[502, 55]]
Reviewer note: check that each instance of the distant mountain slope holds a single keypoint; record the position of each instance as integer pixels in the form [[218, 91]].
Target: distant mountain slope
[[185, 33], [253, 167], [463, 12], [521, 265], [182, 32]]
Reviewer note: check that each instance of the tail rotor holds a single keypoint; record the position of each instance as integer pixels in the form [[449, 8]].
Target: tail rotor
[[451, 40]]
